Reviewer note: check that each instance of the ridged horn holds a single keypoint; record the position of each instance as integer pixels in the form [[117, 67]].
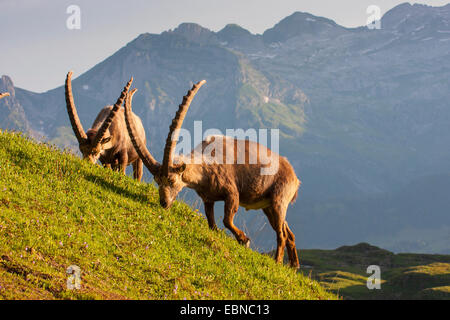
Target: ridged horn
[[150, 162], [3, 95], [177, 122], [105, 126], [72, 111]]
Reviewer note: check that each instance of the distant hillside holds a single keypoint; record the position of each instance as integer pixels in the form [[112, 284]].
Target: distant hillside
[[403, 276], [362, 113], [57, 210], [410, 219]]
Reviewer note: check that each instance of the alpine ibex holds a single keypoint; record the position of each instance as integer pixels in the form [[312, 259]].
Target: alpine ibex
[[108, 139], [236, 183], [3, 95]]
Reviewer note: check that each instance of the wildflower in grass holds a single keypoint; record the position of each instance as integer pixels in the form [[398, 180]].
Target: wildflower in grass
[[175, 290]]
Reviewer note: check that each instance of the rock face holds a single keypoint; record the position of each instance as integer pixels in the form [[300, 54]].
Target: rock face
[[362, 112], [12, 115]]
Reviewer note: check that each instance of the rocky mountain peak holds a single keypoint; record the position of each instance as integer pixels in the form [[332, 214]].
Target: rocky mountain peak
[[233, 30], [297, 24], [418, 19], [233, 35], [194, 32]]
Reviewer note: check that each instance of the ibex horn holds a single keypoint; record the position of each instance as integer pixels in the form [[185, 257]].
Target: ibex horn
[[150, 162], [102, 131], [72, 110], [177, 122]]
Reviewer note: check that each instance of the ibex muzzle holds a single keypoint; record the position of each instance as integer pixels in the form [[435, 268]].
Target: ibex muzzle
[[237, 184], [108, 139]]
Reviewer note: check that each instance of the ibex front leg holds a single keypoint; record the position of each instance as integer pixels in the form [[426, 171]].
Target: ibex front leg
[[231, 207], [123, 161], [209, 211], [138, 170]]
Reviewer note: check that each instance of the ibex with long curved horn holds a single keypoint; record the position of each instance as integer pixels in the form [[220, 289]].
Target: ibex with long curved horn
[[108, 139], [218, 179], [3, 95]]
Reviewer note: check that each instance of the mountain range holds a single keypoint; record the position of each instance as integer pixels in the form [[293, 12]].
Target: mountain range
[[363, 114]]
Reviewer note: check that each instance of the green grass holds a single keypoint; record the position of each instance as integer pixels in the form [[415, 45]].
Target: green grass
[[403, 276], [57, 210]]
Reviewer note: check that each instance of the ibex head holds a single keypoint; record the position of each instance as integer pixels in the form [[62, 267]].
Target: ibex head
[[170, 185], [94, 141], [168, 176]]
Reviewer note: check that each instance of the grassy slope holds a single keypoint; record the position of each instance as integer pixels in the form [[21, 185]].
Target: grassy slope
[[403, 275], [57, 211]]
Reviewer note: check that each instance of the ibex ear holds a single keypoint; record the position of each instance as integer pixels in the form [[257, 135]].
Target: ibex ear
[[180, 168]]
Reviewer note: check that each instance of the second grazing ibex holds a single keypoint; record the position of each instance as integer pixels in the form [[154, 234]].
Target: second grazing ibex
[[235, 183], [108, 139]]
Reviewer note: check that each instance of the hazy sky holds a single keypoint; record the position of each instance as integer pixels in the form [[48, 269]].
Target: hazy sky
[[37, 48]]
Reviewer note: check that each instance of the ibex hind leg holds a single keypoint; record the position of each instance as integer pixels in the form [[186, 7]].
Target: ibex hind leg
[[276, 214], [276, 220], [292, 250]]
